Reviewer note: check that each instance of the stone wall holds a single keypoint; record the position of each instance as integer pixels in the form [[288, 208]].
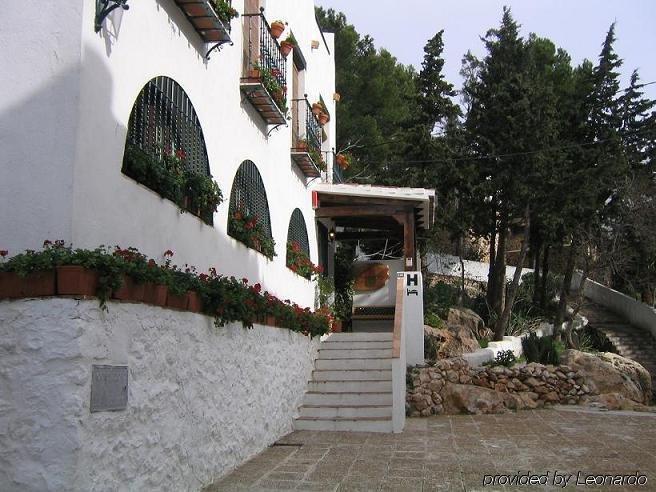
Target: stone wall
[[201, 399], [452, 386]]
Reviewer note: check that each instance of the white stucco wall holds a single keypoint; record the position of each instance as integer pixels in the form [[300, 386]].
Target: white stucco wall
[[201, 400], [449, 265], [79, 141]]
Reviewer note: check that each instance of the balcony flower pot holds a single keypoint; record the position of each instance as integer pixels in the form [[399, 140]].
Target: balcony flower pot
[[155, 294], [177, 302], [317, 109], [74, 280], [286, 48], [37, 284], [194, 302], [277, 28], [129, 291], [342, 161], [323, 118], [301, 146], [336, 327], [254, 75]]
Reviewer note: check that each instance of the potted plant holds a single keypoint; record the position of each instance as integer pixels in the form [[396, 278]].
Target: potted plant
[[277, 28], [288, 44], [343, 160], [302, 145], [323, 118], [250, 231], [317, 108], [224, 12]]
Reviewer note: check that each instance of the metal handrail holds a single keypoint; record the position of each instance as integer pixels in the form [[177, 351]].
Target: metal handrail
[[305, 125], [263, 48], [338, 176]]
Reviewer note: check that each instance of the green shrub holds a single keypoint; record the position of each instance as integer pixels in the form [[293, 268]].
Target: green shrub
[[483, 342], [504, 358], [544, 350], [439, 297], [433, 320]]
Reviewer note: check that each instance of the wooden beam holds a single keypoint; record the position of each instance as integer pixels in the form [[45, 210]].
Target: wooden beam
[[329, 198], [357, 211], [409, 241], [368, 235]]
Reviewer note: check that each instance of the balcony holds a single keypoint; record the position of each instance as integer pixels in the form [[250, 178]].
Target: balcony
[[306, 139], [206, 18], [264, 76]]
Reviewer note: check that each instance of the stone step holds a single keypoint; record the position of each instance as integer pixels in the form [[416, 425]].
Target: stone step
[[352, 386], [348, 412], [327, 354], [360, 337], [330, 345], [352, 375], [348, 399], [357, 364], [345, 425]]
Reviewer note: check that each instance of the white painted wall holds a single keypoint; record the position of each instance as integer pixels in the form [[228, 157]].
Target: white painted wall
[[40, 55], [201, 400], [74, 188], [449, 265], [635, 312]]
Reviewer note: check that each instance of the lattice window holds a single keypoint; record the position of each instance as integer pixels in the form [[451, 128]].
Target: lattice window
[[163, 122], [297, 231], [248, 196]]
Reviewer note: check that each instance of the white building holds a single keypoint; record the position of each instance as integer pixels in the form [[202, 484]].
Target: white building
[[65, 109]]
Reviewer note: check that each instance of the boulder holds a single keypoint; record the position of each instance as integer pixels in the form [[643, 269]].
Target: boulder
[[465, 398], [469, 319], [452, 341], [614, 401], [611, 373]]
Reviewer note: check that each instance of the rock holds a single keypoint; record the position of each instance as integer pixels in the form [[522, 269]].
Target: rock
[[611, 373], [613, 401], [467, 318], [552, 397], [452, 376], [465, 398], [452, 341]]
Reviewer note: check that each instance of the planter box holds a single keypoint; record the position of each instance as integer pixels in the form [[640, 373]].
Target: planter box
[[194, 302], [76, 281], [177, 302], [336, 326], [129, 291], [155, 294], [37, 284], [270, 321]]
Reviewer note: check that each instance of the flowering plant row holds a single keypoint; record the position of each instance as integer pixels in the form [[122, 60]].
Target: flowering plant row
[[224, 11], [247, 229], [225, 298], [166, 173], [299, 262]]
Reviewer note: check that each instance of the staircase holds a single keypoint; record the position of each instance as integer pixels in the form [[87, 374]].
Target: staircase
[[351, 386], [628, 341]]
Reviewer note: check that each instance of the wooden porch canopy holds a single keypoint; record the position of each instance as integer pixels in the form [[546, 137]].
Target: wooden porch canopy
[[377, 212]]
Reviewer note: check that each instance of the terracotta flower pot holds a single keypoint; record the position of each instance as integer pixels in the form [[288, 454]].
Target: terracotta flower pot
[[177, 302], [302, 146], [37, 284], [73, 280], [155, 294], [323, 118], [336, 326], [270, 320], [129, 291], [286, 48], [254, 74], [317, 109], [342, 161], [277, 29], [194, 302]]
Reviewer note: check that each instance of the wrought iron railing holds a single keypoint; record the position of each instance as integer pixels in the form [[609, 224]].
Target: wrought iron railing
[[338, 176], [262, 51], [305, 127]]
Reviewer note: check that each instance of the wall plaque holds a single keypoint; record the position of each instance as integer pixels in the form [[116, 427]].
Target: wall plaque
[[109, 388]]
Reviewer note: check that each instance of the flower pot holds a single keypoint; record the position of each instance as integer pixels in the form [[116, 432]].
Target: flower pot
[[155, 294], [317, 109], [74, 280], [254, 74], [323, 118], [342, 161], [129, 291], [302, 146], [194, 302], [286, 48], [177, 302], [336, 327], [270, 320], [277, 29], [37, 284]]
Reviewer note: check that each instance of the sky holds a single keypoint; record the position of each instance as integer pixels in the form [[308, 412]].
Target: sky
[[578, 26]]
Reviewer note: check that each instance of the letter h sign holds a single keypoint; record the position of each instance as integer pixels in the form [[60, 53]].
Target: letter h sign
[[412, 280]]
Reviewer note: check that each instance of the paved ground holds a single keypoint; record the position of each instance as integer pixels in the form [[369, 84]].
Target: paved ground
[[454, 453]]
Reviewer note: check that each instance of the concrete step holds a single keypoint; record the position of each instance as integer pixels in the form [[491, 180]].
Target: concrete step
[[354, 353], [348, 399], [348, 412], [347, 425], [357, 364], [360, 337], [352, 375], [330, 345], [353, 386]]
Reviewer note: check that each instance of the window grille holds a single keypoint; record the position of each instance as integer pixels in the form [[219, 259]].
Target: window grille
[[249, 195], [163, 120], [297, 231]]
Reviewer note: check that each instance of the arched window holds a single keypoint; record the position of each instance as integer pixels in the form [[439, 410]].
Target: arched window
[[298, 245], [248, 217], [165, 148]]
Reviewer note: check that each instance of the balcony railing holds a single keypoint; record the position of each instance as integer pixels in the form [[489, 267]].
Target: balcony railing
[[264, 77], [306, 139], [207, 22], [338, 175]]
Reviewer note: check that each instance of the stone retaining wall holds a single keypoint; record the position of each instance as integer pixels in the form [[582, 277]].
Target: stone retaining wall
[[452, 386]]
